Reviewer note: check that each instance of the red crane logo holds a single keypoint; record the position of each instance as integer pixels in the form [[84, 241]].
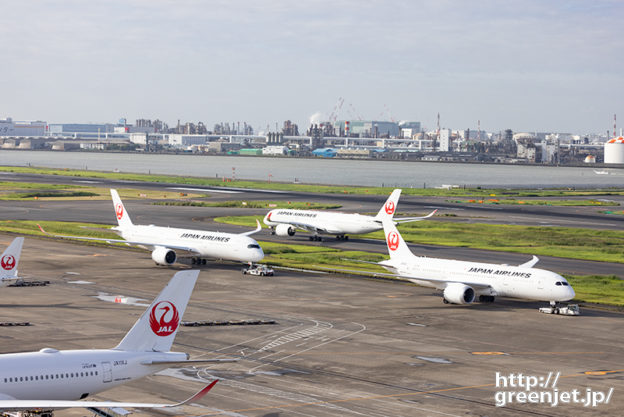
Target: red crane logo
[[390, 207], [393, 240], [119, 211], [7, 262], [164, 318]]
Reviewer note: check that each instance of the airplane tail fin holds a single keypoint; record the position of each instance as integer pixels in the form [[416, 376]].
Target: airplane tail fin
[[397, 248], [156, 329], [10, 258], [389, 208], [123, 218]]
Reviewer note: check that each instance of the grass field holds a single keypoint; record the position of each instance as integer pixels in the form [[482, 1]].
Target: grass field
[[252, 204], [35, 191], [598, 289], [576, 243], [529, 202], [382, 191]]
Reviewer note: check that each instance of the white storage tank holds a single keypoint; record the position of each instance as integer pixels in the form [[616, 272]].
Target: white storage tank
[[614, 151]]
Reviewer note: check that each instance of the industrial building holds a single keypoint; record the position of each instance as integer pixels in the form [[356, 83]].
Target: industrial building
[[367, 128], [10, 127]]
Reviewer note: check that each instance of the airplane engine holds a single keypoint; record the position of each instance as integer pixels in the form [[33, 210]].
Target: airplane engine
[[164, 256], [284, 230], [457, 293]]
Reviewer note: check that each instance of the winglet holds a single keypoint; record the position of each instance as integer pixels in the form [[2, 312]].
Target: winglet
[[199, 394], [531, 263], [256, 230], [415, 219]]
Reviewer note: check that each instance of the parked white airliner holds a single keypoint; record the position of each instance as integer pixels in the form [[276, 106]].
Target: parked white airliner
[[462, 281], [51, 379], [164, 241], [8, 262], [284, 222]]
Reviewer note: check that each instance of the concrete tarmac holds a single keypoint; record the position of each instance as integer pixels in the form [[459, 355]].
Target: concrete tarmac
[[342, 346]]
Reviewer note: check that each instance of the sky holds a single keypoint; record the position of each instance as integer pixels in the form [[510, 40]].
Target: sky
[[526, 65]]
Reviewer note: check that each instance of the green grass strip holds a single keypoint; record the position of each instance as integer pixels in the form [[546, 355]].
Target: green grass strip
[[251, 204], [563, 242], [598, 289], [528, 202]]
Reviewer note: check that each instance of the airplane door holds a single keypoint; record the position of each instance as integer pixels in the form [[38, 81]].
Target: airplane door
[[107, 372]]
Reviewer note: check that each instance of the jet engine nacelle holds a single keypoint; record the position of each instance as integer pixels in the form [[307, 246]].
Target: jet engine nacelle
[[164, 256], [284, 230], [459, 294]]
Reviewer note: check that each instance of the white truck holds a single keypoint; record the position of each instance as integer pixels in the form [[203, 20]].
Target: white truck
[[569, 310], [260, 270]]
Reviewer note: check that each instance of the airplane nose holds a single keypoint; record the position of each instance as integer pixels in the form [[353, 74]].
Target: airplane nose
[[571, 294], [257, 255]]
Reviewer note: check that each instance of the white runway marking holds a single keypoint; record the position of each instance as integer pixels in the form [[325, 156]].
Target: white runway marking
[[212, 190]]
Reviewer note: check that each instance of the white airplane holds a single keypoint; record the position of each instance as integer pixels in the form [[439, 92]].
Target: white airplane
[[284, 222], [164, 241], [8, 262], [462, 281], [43, 381]]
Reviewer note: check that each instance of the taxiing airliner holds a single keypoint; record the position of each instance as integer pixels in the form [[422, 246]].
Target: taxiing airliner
[[8, 262], [461, 281], [284, 222], [164, 241], [50, 379]]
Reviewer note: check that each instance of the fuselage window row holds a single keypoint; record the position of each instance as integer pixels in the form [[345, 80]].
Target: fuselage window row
[[50, 376]]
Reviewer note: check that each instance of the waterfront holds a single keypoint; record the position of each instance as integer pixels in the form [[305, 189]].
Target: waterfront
[[324, 171]]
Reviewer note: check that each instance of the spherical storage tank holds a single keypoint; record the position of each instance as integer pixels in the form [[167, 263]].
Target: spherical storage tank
[[614, 151]]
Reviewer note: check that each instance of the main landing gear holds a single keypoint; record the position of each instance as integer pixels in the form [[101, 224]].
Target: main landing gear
[[486, 298], [316, 238], [342, 237], [198, 261]]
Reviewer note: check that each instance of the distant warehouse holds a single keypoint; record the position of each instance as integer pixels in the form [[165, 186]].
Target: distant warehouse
[[9, 127]]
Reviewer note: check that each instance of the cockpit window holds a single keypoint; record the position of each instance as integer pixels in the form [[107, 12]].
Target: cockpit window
[[253, 246], [558, 283], [565, 283]]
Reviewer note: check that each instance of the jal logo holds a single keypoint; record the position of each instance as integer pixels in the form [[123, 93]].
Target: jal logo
[[390, 207], [119, 211], [393, 240], [164, 318], [7, 262]]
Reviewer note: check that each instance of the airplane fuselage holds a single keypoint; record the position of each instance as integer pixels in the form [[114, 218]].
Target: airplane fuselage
[[215, 245], [73, 374], [324, 222], [504, 280]]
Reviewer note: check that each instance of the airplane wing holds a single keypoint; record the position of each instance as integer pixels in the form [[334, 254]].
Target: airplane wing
[[414, 219], [127, 242], [256, 230], [531, 263], [22, 405]]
